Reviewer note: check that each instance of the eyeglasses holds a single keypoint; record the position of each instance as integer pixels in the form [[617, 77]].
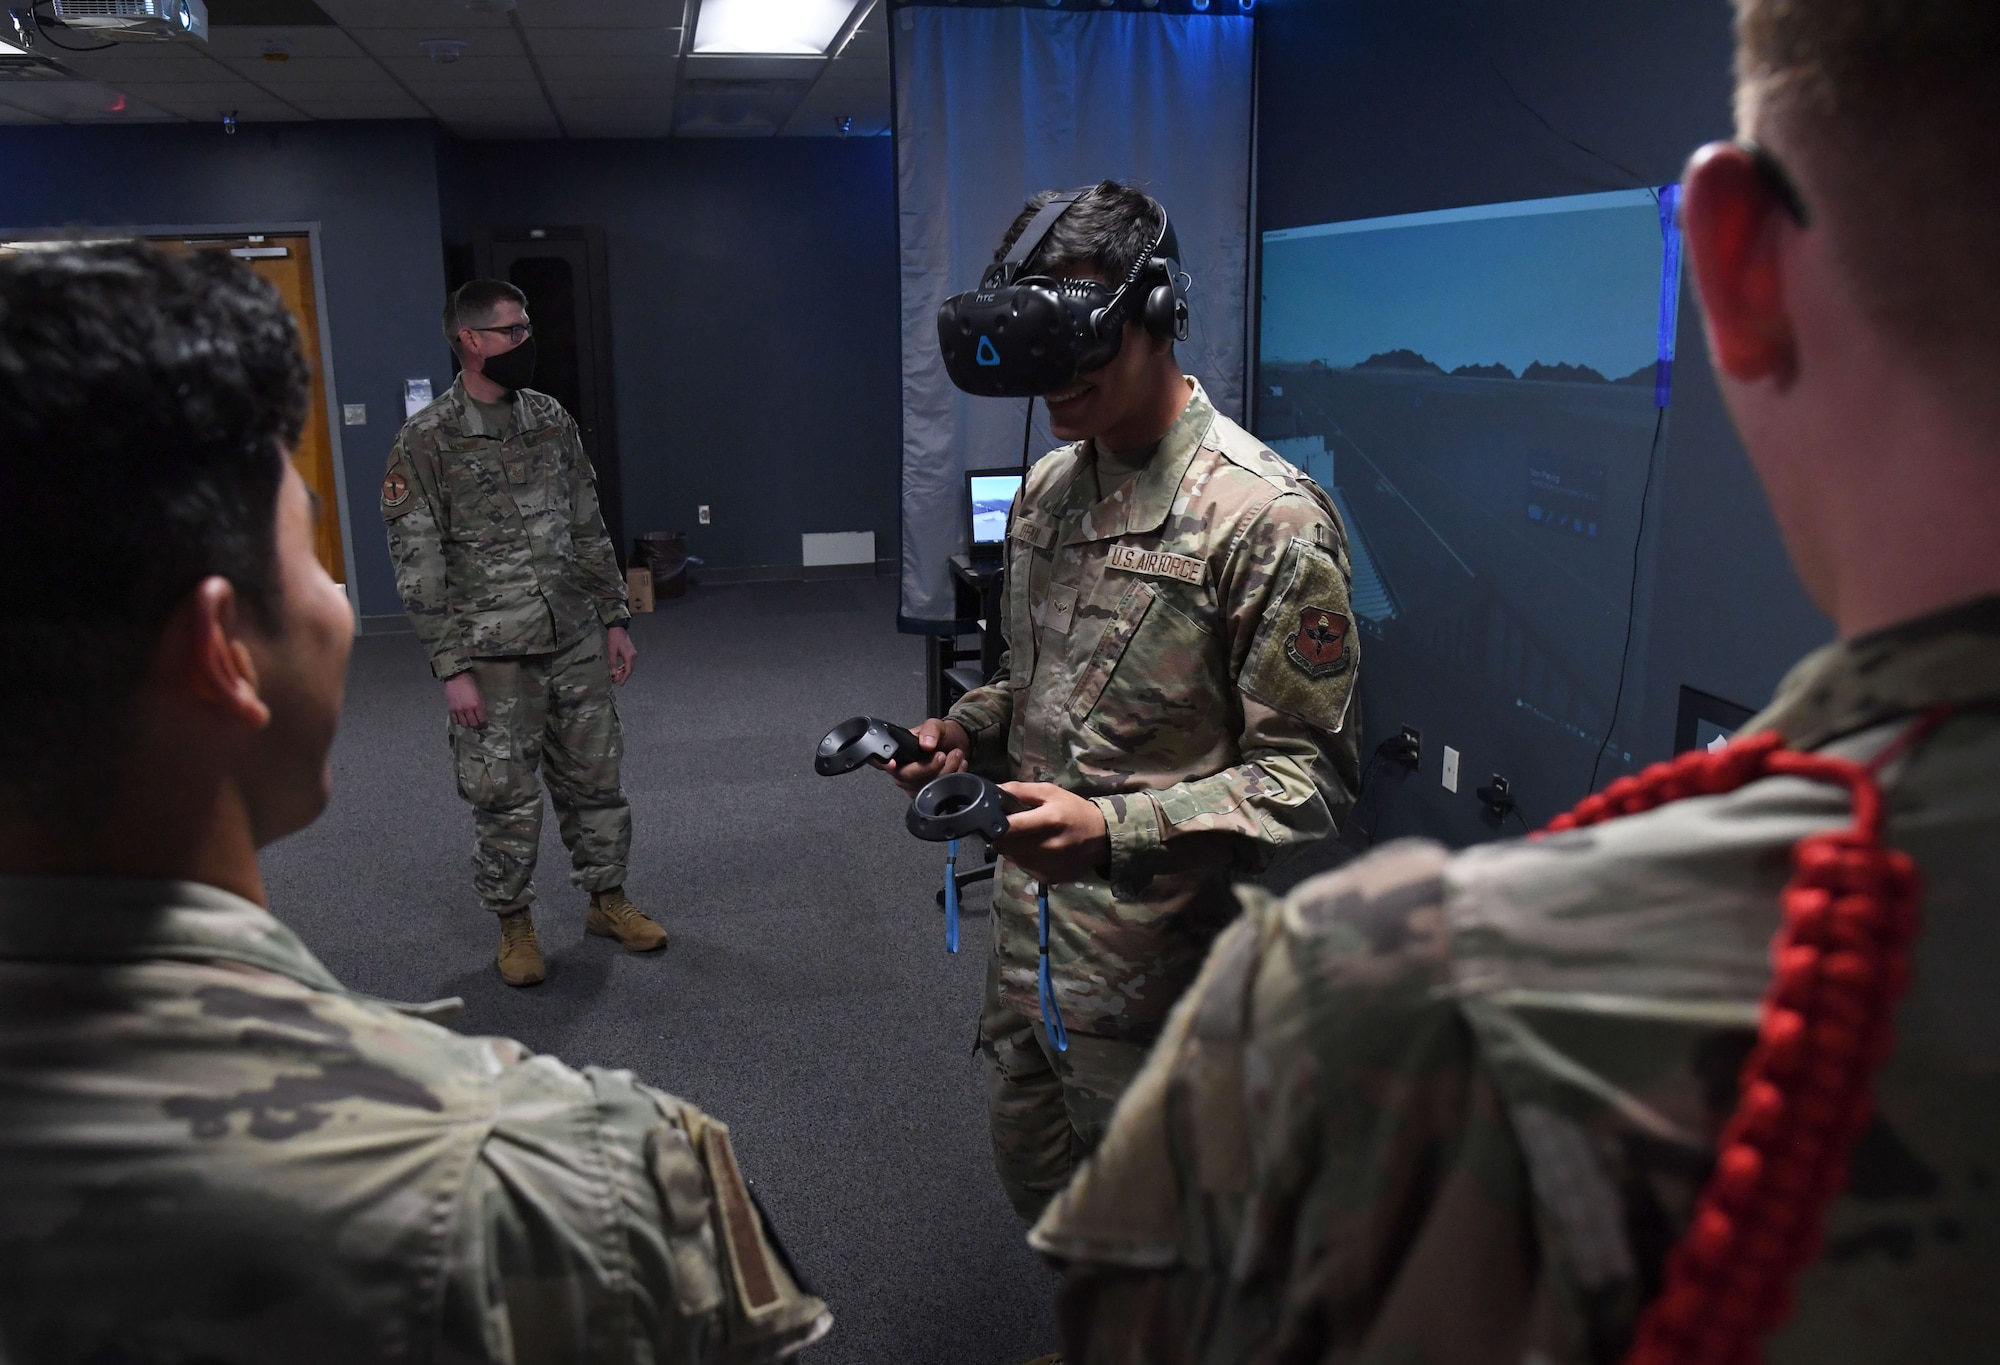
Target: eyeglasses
[[1777, 181], [517, 332]]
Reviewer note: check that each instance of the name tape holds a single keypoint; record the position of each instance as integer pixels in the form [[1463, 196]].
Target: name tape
[[1159, 563]]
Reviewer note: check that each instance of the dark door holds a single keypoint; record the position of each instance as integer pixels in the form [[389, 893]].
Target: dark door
[[562, 271]]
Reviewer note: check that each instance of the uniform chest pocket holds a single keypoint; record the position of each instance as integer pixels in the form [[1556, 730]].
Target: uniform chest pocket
[[1155, 675], [479, 506], [534, 474]]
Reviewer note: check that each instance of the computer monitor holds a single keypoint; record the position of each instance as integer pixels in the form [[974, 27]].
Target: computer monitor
[[989, 494]]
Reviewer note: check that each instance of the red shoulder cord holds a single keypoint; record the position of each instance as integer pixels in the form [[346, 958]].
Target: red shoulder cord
[[1841, 962]]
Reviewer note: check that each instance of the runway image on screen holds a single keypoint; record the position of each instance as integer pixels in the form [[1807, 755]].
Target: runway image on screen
[[992, 495], [1479, 389]]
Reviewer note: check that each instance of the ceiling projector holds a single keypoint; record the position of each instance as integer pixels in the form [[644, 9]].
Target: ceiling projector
[[143, 21]]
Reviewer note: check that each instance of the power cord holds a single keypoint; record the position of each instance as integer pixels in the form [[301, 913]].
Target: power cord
[[1632, 599], [47, 34], [1405, 749], [1542, 119]]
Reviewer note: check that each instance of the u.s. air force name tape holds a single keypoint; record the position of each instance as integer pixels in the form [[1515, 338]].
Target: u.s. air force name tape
[[1159, 563]]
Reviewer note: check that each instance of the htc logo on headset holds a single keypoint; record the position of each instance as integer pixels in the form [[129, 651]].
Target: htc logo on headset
[[1023, 336]]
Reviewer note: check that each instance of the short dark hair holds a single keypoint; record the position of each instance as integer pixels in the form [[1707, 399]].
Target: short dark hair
[[1891, 105], [148, 403], [472, 305], [1111, 227]]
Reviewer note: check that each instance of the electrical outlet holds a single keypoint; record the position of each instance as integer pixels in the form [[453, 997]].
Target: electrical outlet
[[1450, 768], [1406, 748], [701, 514]]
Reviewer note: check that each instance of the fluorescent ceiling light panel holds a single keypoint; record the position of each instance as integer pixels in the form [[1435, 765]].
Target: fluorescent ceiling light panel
[[769, 28]]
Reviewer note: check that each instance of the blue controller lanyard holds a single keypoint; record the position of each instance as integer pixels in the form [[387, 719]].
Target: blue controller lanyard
[[1051, 1014], [951, 896]]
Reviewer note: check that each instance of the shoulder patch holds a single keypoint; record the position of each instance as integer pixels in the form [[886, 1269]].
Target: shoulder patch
[[1319, 647], [398, 488], [1303, 658]]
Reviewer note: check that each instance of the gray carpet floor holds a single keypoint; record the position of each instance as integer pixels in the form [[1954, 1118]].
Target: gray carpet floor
[[806, 997]]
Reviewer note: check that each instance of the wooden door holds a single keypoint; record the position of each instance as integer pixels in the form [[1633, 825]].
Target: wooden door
[[285, 259]]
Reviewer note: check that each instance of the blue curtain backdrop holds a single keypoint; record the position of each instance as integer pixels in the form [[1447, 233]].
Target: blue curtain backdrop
[[993, 104]]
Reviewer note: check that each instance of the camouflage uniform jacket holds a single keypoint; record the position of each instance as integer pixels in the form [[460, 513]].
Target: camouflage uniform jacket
[[499, 546], [1442, 1108], [1180, 650], [210, 1150]]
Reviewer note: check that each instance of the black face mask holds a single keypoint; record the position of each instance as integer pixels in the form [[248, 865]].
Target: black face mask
[[512, 369]]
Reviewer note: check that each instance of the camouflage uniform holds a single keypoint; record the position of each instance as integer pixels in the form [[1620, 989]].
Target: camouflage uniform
[[505, 569], [211, 1150], [1181, 651], [1440, 1108]]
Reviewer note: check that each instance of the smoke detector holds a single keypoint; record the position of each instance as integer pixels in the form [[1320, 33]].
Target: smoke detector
[[444, 51], [275, 49]]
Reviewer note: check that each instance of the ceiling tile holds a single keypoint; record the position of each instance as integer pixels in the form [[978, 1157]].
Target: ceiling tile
[[533, 107], [612, 90], [362, 92], [144, 62], [616, 110], [422, 74], [81, 101], [407, 43], [318, 41], [753, 68], [441, 14], [362, 107], [248, 112], [560, 14], [306, 70], [607, 68], [220, 94], [9, 114], [586, 42]]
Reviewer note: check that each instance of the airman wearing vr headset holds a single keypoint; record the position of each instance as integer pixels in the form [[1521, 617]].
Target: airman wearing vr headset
[[1177, 698]]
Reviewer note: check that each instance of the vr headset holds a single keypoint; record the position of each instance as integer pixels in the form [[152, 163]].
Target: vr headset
[[1023, 336]]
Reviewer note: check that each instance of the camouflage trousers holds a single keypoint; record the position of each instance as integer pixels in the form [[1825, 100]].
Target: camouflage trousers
[[553, 713], [1046, 1110]]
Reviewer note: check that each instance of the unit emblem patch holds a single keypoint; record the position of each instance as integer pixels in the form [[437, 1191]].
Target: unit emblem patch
[[395, 489], [1319, 646]]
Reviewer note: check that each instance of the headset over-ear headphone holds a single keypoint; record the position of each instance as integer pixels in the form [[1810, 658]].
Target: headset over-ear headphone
[[1022, 336]]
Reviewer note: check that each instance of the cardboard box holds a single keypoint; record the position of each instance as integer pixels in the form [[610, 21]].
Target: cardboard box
[[639, 590]]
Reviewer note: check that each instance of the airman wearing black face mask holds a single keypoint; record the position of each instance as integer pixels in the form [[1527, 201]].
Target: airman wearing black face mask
[[510, 580]]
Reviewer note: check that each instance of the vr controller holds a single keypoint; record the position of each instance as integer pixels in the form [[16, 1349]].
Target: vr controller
[[853, 742], [1023, 336], [960, 805]]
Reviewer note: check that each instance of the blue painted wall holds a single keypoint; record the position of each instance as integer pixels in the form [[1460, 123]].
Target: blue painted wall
[[754, 323], [1374, 107], [754, 304], [371, 187]]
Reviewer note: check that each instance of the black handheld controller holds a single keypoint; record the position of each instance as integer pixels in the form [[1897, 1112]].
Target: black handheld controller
[[959, 805], [850, 744]]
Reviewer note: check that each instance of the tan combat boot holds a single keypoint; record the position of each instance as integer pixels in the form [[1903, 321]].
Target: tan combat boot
[[612, 915], [520, 955]]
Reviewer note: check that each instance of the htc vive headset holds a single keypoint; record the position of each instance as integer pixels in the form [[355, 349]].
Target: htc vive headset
[[1023, 336]]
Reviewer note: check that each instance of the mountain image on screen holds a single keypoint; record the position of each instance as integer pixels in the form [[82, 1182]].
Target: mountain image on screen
[[1476, 388]]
